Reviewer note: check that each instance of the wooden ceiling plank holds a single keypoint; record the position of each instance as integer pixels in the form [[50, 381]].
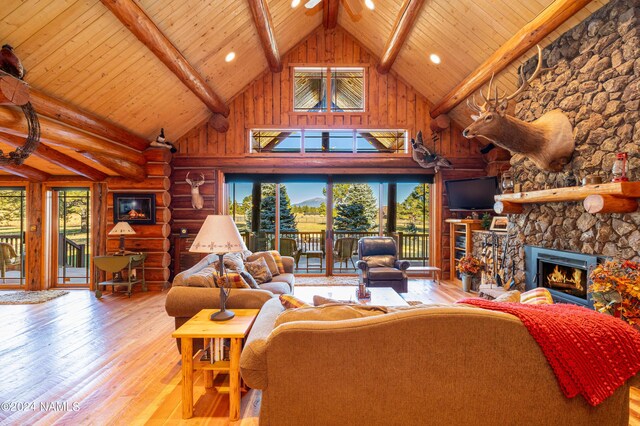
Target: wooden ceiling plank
[[76, 117], [531, 34], [53, 133], [264, 26], [401, 29], [330, 10], [137, 21], [27, 172], [58, 158]]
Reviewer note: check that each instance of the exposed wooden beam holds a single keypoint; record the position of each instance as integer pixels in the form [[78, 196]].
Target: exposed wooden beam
[[330, 13], [121, 166], [530, 35], [76, 117], [401, 29], [264, 25], [53, 133], [30, 173], [139, 23], [12, 90], [58, 158]]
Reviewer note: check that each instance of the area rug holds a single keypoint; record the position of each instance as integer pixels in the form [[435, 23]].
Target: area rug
[[302, 280], [30, 297]]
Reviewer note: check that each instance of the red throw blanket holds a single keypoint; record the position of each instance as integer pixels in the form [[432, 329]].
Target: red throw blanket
[[591, 354]]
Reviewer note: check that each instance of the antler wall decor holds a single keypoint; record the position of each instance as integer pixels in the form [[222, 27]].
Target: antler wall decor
[[547, 141], [197, 200]]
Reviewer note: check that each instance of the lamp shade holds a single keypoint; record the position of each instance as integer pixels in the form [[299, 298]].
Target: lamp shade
[[122, 228], [218, 235]]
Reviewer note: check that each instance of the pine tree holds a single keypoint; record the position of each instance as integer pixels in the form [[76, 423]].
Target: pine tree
[[268, 210], [361, 193], [351, 217], [414, 205]]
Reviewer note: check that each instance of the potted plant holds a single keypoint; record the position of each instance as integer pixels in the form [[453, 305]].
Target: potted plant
[[615, 289], [468, 266]]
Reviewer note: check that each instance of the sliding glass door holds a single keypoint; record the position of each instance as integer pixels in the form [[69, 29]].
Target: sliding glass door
[[12, 232], [318, 221]]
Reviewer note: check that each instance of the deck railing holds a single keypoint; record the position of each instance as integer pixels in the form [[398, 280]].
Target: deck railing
[[14, 240], [412, 246], [71, 253]]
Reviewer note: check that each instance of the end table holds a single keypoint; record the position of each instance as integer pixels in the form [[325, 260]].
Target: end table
[[200, 326]]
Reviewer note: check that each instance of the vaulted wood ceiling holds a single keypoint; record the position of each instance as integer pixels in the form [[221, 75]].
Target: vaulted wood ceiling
[[79, 52]]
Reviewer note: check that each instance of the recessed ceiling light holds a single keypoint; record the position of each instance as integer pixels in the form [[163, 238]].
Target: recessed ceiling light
[[369, 4], [435, 58], [230, 56], [295, 3]]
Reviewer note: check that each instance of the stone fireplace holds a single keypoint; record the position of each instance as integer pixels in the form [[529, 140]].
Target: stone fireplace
[[563, 273], [595, 81]]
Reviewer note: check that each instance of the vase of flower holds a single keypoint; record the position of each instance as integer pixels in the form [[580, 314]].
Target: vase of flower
[[468, 266], [466, 282]]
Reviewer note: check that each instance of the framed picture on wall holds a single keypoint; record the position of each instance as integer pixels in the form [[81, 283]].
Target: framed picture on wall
[[135, 208], [499, 224]]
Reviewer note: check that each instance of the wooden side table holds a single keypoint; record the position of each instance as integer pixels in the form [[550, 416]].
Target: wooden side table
[[117, 264], [200, 326]]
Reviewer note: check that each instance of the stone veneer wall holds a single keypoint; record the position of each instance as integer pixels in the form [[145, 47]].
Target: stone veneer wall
[[596, 82]]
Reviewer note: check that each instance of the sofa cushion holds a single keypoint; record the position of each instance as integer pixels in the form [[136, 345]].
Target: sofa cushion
[[233, 261], [259, 270], [249, 279], [321, 300], [289, 301], [276, 287], [278, 259], [202, 278], [268, 257], [329, 313], [385, 274], [285, 278]]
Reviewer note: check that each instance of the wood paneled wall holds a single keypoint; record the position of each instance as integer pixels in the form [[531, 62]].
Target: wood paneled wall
[[150, 239], [267, 103]]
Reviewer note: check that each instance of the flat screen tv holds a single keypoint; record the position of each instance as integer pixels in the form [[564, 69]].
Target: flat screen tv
[[471, 194]]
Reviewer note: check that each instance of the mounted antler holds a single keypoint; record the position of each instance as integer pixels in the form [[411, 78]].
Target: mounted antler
[[197, 200], [547, 141]]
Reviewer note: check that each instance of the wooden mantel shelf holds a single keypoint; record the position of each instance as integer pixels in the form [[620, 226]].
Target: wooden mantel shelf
[[613, 197]]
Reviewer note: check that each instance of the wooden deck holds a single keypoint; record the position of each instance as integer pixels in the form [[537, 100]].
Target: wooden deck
[[114, 357]]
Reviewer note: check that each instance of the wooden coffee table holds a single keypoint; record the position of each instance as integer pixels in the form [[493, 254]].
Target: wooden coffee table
[[200, 326], [380, 296]]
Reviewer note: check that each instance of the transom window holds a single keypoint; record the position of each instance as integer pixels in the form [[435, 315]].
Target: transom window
[[345, 85], [330, 141]]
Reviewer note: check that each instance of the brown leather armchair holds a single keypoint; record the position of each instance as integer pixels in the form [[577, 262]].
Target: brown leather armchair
[[379, 264]]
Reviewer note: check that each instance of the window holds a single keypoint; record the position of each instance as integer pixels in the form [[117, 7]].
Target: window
[[12, 229], [276, 140], [310, 89], [324, 140]]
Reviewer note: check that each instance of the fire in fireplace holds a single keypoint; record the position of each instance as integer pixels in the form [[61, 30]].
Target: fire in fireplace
[[566, 279], [564, 273]]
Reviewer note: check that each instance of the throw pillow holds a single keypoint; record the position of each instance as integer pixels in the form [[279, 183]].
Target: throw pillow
[[268, 257], [512, 296], [249, 279], [291, 302], [202, 278], [278, 259], [259, 270], [235, 280], [537, 296], [329, 313], [232, 261], [321, 300]]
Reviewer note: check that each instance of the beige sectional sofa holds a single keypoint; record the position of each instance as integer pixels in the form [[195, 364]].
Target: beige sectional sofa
[[438, 365]]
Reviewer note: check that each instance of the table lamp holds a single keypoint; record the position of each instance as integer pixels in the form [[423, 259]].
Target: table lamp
[[219, 235], [122, 229]]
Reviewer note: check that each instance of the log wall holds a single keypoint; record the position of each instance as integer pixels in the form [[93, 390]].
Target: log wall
[[150, 239]]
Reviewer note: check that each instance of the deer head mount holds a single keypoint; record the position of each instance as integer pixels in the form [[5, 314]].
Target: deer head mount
[[197, 200], [547, 141]]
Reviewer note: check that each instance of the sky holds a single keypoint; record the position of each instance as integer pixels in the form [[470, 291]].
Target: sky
[[299, 192]]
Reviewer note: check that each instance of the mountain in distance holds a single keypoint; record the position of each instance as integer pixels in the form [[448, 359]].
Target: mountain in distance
[[312, 202]]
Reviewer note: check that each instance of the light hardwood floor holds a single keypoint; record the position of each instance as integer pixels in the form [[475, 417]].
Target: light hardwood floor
[[115, 359]]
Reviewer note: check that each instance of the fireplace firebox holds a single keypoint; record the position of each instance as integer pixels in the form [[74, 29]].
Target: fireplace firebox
[[564, 273]]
